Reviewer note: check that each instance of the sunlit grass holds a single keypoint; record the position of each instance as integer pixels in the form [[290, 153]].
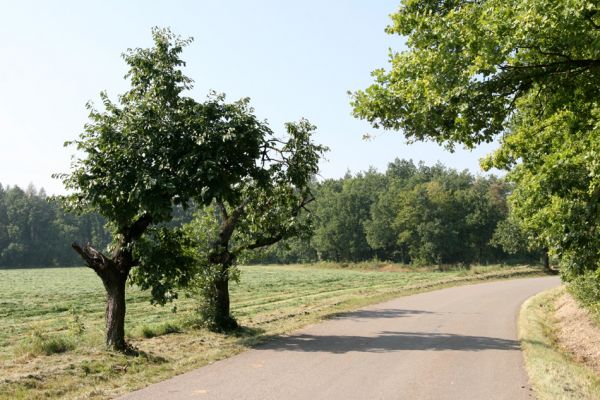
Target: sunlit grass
[[53, 322]]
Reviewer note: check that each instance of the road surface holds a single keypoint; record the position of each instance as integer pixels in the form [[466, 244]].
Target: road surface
[[456, 343]]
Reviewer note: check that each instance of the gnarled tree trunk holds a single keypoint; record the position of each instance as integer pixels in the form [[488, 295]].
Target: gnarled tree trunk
[[114, 272], [114, 283]]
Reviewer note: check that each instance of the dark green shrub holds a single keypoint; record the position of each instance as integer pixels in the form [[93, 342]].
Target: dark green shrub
[[585, 289]]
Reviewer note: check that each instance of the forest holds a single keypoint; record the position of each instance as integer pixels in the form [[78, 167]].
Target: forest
[[412, 214]]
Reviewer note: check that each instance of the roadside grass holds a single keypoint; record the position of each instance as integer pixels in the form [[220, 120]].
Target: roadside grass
[[552, 372], [52, 321]]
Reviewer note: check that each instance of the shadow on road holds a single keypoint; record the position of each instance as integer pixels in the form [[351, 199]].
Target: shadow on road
[[389, 342], [381, 313]]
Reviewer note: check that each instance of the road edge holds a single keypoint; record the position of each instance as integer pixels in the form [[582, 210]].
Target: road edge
[[553, 374]]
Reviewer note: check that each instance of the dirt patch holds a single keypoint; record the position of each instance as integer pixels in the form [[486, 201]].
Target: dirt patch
[[577, 333]]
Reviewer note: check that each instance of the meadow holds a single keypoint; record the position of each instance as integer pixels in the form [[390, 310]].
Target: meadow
[[52, 319]]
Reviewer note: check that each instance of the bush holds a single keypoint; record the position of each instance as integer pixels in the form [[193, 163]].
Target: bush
[[205, 289], [585, 289], [41, 344], [159, 330]]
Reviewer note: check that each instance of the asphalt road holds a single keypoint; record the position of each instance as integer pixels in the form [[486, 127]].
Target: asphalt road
[[456, 343]]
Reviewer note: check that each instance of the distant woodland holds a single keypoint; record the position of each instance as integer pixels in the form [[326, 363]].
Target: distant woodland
[[413, 214]]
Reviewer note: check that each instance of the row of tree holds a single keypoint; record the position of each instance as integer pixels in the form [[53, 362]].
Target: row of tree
[[411, 214], [35, 232]]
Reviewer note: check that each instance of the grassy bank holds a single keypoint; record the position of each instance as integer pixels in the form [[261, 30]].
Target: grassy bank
[[52, 319], [552, 372]]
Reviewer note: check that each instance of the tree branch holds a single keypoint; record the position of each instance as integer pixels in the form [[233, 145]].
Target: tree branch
[[555, 66], [93, 258], [267, 241], [229, 222], [138, 228], [262, 242]]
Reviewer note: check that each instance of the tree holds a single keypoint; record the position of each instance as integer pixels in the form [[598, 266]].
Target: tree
[[527, 71], [4, 239], [342, 211], [152, 150], [265, 209], [381, 232], [17, 227], [513, 240]]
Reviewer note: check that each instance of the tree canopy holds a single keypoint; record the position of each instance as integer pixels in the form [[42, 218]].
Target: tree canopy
[[413, 214], [525, 72], [266, 209]]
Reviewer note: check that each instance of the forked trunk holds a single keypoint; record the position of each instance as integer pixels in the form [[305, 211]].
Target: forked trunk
[[114, 272]]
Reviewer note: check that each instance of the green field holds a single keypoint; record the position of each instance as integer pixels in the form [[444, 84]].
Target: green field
[[52, 322]]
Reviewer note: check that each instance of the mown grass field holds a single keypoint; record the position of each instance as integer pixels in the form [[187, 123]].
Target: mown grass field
[[52, 322]]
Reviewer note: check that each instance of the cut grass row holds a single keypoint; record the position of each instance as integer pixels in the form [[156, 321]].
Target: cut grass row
[[53, 322]]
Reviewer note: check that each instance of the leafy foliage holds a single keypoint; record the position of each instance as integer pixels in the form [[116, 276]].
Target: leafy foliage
[[151, 151], [525, 70], [164, 265], [468, 61], [586, 289], [35, 231], [411, 214], [264, 209], [157, 148]]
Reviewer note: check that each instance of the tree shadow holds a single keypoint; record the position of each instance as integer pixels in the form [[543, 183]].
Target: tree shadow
[[387, 342], [381, 313]]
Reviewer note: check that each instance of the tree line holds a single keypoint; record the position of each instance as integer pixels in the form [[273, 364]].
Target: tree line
[[412, 214], [35, 231]]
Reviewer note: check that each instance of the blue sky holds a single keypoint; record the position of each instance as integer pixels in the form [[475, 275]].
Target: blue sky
[[293, 59]]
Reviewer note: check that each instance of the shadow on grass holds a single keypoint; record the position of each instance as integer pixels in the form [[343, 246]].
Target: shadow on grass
[[132, 351], [537, 343]]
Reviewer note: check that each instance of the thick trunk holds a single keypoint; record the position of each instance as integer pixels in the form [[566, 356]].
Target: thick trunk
[[222, 306], [114, 273], [115, 310], [221, 314]]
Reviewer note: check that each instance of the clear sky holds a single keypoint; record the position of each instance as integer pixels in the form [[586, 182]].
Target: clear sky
[[293, 59]]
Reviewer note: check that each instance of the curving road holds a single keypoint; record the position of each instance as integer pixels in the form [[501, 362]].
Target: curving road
[[456, 343]]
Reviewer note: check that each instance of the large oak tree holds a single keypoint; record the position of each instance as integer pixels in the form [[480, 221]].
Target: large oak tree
[[525, 72]]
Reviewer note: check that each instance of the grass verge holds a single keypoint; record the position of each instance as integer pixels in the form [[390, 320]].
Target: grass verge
[[553, 374], [270, 300]]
